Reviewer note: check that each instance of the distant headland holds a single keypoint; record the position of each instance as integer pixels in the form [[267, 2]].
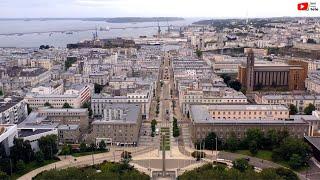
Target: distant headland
[[109, 20]]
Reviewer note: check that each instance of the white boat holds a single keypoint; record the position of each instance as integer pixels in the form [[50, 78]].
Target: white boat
[[105, 29]]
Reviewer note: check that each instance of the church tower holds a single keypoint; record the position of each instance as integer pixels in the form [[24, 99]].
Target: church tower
[[250, 71]]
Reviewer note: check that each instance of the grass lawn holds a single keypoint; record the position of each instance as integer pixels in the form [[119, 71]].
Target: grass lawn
[[262, 154], [30, 167], [166, 139], [267, 155]]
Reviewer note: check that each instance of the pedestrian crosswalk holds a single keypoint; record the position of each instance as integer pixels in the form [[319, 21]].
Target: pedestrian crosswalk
[[186, 136]]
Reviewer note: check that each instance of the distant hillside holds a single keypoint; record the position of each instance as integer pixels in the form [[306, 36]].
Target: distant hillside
[[110, 20]]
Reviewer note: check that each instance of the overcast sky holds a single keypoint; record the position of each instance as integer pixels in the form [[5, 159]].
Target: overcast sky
[[181, 8]]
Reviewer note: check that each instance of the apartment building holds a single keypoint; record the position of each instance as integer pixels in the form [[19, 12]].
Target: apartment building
[[17, 77], [43, 63], [12, 110], [300, 101], [143, 98], [69, 134], [200, 97], [75, 97], [43, 89], [120, 124], [72, 116], [312, 83]]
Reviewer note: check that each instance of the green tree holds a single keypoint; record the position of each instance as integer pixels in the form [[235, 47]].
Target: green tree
[[109, 170], [4, 176], [126, 157], [288, 148], [270, 173], [274, 138], [226, 78], [21, 150], [69, 61], [1, 93], [3, 153], [296, 161], [286, 173], [232, 142], [47, 104], [198, 155], [258, 86], [83, 147], [241, 164], [176, 132], [87, 105], [198, 53], [243, 90], [102, 145], [20, 165], [175, 128], [157, 109], [98, 88], [66, 106], [308, 110], [255, 135], [48, 145], [293, 109], [210, 141], [236, 85], [65, 150], [39, 156], [153, 127], [92, 147], [253, 147]]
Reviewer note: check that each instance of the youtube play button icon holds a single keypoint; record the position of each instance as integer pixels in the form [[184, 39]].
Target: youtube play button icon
[[303, 6]]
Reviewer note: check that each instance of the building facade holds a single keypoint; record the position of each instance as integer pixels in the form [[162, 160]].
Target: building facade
[[300, 101], [70, 116], [203, 124], [119, 125], [12, 110], [74, 98], [7, 134], [68, 134], [289, 76], [246, 112]]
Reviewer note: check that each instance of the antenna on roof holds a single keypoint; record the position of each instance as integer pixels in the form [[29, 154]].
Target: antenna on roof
[[247, 18], [95, 34], [159, 29]]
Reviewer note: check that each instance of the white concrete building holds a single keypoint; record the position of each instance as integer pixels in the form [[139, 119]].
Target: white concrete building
[[75, 97], [300, 101], [247, 112], [7, 134], [12, 110]]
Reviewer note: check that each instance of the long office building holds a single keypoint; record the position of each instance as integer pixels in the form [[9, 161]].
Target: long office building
[[244, 112], [203, 124]]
